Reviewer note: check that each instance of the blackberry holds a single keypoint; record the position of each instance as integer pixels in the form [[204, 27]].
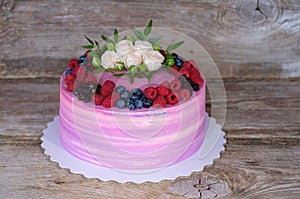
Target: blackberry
[[98, 89], [195, 86], [85, 91]]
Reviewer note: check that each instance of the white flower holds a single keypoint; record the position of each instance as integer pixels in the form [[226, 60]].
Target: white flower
[[124, 47], [153, 60], [143, 47], [133, 59], [109, 58]]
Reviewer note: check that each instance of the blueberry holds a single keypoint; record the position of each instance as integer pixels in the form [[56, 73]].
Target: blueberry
[[119, 89], [137, 92], [174, 55], [134, 97], [69, 71], [138, 104], [143, 97], [125, 94], [178, 62], [82, 58], [147, 103], [131, 106], [121, 103]]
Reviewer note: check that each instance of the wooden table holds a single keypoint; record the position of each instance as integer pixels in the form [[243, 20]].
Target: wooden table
[[256, 46]]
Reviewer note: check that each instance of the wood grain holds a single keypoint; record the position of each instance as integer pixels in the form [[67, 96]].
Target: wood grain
[[37, 38], [255, 44]]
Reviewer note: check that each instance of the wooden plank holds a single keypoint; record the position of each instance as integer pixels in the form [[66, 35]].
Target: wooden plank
[[244, 170], [243, 40], [27, 105]]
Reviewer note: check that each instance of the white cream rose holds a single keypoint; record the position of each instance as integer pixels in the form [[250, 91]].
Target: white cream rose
[[124, 47], [143, 47], [153, 60], [109, 58], [135, 58]]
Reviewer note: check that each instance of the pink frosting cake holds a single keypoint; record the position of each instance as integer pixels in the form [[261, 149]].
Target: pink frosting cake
[[130, 105], [132, 140]]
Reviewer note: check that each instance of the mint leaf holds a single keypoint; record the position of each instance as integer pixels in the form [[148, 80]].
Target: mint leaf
[[89, 40], [147, 30], [94, 54], [107, 40], [138, 34], [88, 47], [154, 40], [174, 46], [116, 36]]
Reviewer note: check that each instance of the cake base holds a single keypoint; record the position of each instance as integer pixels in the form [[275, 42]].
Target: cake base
[[212, 146]]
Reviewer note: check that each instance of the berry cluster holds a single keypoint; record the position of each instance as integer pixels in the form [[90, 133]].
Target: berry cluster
[[87, 89]]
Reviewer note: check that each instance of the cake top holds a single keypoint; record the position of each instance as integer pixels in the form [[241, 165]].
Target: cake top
[[133, 72]]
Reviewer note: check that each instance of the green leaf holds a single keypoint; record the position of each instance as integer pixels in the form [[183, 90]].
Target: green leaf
[[150, 74], [139, 75], [96, 42], [154, 40], [118, 75], [94, 54], [103, 49], [98, 70], [147, 30], [106, 39], [88, 47], [138, 34], [116, 36], [174, 46], [89, 40], [131, 77]]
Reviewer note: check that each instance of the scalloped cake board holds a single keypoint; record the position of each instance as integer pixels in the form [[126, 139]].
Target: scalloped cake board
[[212, 146]]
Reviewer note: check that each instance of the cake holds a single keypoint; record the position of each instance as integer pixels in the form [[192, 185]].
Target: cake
[[131, 105]]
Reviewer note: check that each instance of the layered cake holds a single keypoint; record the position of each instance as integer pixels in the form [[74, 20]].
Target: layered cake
[[131, 105]]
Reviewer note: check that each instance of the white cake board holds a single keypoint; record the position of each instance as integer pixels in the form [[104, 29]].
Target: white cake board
[[213, 144]]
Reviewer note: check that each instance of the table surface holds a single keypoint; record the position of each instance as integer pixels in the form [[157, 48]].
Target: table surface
[[256, 46]]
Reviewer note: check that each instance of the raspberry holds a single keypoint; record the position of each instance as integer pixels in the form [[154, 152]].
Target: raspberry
[[172, 99], [97, 99], [185, 72], [188, 64], [107, 87], [90, 78], [107, 102], [175, 85], [185, 94], [160, 101], [86, 53], [166, 84], [76, 69], [197, 79], [70, 79], [163, 53], [73, 63], [162, 90], [70, 87], [150, 92]]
